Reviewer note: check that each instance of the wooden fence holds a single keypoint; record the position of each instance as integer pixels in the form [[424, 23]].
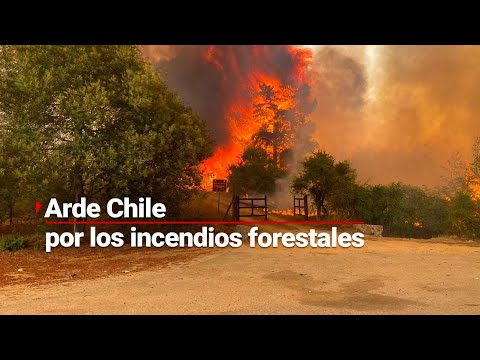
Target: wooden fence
[[300, 203], [252, 204]]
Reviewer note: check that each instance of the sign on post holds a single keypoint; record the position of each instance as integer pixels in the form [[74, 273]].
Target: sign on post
[[219, 185]]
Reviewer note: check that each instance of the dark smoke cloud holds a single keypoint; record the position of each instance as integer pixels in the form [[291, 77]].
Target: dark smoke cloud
[[199, 83], [210, 87], [340, 86]]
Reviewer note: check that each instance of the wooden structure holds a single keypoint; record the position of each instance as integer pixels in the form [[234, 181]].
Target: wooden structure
[[249, 203], [300, 203]]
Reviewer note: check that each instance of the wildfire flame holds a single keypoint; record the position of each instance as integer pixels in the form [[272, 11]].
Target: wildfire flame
[[242, 121], [473, 184], [416, 224], [289, 212], [475, 187]]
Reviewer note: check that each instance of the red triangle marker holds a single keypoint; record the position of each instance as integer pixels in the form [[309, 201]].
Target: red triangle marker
[[38, 206]]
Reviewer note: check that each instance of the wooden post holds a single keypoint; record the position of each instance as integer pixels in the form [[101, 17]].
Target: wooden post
[[237, 207], [228, 209], [305, 203], [294, 205], [265, 207]]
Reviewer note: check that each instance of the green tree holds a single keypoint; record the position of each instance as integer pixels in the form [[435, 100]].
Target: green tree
[[11, 177], [464, 215], [17, 156], [326, 181], [102, 122], [256, 173], [364, 205]]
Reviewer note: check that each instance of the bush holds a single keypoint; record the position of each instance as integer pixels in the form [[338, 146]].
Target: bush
[[464, 216], [11, 243], [403, 210], [255, 174]]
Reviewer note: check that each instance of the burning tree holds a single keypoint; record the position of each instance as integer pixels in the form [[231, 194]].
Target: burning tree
[[276, 108], [250, 95], [273, 107], [281, 109]]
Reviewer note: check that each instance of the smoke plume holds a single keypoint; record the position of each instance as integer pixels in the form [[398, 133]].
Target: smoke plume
[[396, 112], [401, 111]]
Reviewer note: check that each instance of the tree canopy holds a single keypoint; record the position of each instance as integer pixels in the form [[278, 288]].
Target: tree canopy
[[96, 121], [403, 210], [256, 173], [325, 180]]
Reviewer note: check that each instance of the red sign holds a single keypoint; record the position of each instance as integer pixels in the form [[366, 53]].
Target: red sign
[[219, 185]]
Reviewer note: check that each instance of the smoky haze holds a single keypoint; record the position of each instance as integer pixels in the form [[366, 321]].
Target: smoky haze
[[401, 111], [396, 112]]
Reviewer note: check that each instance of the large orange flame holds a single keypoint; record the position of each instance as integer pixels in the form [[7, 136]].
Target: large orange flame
[[475, 187], [473, 184], [242, 122]]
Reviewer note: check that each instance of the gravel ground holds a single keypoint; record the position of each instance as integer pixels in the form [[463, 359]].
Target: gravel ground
[[386, 276]]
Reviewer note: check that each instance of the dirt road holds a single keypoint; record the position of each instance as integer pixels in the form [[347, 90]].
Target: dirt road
[[386, 276]]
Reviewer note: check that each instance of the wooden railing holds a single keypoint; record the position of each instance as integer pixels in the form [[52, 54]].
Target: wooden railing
[[250, 203]]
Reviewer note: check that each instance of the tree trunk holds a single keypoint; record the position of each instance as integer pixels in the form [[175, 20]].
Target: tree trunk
[[325, 209], [320, 203], [234, 207], [323, 205]]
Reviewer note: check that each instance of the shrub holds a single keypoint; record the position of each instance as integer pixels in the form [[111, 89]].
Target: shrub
[[465, 216], [11, 243]]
